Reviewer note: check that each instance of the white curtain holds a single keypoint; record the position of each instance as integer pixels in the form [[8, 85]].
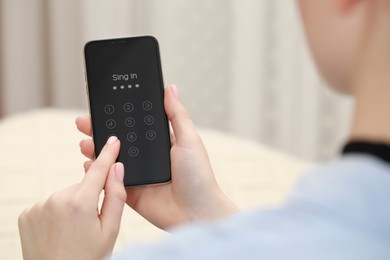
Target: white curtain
[[241, 66]]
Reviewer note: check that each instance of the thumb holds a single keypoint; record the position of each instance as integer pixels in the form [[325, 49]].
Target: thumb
[[114, 201], [182, 124]]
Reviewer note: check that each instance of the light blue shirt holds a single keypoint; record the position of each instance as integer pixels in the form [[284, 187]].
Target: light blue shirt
[[338, 211]]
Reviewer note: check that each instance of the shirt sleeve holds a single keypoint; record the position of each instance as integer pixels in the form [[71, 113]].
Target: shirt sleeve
[[338, 211]]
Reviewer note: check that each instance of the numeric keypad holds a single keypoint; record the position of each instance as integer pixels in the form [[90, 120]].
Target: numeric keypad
[[134, 115]]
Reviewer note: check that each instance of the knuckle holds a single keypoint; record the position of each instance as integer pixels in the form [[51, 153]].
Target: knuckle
[[22, 219], [99, 164], [101, 161], [54, 200], [120, 194], [105, 156], [53, 203], [73, 206], [116, 193], [76, 203], [60, 202], [105, 159]]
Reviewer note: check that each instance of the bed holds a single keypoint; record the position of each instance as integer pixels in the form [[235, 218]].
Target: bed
[[40, 154]]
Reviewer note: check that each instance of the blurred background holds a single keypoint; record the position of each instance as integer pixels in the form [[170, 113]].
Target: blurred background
[[242, 66]]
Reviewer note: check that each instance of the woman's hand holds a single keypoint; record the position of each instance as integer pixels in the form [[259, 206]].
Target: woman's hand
[[193, 193], [68, 225]]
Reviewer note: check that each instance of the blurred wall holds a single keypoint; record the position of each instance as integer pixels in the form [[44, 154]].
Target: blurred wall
[[242, 66]]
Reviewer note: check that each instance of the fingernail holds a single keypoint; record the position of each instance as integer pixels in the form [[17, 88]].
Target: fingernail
[[112, 139], [119, 171], [175, 92]]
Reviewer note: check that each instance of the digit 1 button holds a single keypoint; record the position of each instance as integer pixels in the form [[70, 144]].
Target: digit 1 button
[[151, 135], [132, 137], [149, 120], [147, 105], [130, 122], [128, 107], [110, 124], [133, 151], [109, 109]]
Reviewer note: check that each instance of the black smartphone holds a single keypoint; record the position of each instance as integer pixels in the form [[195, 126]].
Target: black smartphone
[[125, 89]]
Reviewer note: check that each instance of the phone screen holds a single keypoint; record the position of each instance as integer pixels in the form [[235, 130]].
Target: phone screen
[[125, 89]]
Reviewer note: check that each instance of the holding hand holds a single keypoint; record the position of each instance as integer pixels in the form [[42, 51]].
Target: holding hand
[[193, 193], [68, 225]]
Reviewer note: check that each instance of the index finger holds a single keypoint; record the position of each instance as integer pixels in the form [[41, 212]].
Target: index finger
[[95, 179]]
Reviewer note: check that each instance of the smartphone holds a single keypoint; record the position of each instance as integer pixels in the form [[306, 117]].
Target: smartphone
[[125, 89]]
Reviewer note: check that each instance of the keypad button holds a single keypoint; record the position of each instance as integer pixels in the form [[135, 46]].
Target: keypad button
[[128, 107], [132, 137], [151, 135], [133, 151], [130, 122], [109, 109], [111, 124], [147, 105], [149, 120]]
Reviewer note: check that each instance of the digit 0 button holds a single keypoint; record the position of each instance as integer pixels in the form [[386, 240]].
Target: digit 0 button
[[133, 151], [110, 123], [128, 107], [147, 105], [109, 109]]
